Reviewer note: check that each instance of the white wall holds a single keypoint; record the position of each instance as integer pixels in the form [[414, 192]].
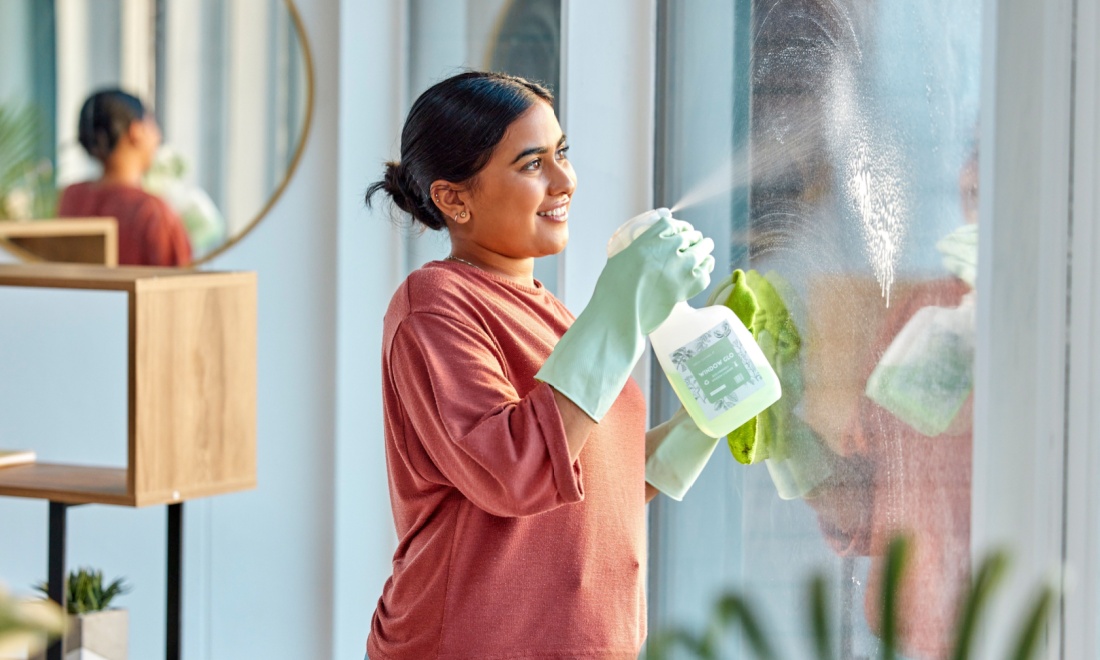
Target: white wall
[[369, 257]]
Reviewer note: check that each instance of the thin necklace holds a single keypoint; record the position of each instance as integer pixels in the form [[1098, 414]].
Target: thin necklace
[[454, 258]]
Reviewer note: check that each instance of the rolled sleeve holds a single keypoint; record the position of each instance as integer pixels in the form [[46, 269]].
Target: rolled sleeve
[[507, 454]]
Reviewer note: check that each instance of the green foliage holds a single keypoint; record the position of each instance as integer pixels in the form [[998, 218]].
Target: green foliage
[[19, 134], [86, 592], [732, 612], [27, 186]]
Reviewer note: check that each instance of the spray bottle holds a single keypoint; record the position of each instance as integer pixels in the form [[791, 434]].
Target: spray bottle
[[711, 360]]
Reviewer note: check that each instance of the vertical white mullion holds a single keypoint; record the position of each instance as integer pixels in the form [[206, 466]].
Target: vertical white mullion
[[562, 96], [72, 81], [370, 111], [608, 112], [1082, 609], [247, 100], [1019, 425], [138, 50]]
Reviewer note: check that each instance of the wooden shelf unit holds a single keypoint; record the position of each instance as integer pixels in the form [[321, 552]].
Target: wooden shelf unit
[[191, 387], [74, 240]]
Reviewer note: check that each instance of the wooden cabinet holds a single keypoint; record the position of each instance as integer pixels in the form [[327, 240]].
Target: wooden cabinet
[[191, 390]]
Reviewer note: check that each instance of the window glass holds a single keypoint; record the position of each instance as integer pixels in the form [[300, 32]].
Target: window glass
[[520, 37], [829, 147]]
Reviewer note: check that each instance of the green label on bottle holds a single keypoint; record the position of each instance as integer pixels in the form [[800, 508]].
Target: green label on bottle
[[717, 370]]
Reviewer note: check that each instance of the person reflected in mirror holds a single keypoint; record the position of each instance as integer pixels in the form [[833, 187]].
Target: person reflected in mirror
[[116, 129], [515, 436]]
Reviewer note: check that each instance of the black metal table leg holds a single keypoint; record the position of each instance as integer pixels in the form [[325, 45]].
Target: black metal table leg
[[175, 574], [56, 570]]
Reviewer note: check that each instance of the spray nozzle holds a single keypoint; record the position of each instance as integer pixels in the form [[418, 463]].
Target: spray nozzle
[[633, 228]]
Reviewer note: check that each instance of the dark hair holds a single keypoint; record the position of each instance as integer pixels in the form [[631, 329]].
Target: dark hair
[[104, 118], [450, 134]]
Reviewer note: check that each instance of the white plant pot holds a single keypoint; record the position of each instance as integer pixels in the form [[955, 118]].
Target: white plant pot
[[96, 636]]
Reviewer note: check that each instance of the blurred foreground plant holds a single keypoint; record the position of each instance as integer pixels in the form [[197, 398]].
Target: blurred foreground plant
[[27, 624], [733, 610]]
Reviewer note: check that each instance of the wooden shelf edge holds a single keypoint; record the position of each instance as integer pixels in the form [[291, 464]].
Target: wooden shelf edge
[[184, 495], [71, 484]]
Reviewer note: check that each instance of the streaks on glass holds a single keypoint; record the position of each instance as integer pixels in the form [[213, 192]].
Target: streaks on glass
[[807, 61], [877, 193]]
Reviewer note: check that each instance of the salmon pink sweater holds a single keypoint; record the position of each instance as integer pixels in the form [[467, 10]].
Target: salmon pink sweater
[[506, 547], [149, 231]]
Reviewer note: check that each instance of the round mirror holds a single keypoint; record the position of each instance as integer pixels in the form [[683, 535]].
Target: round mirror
[[229, 84]]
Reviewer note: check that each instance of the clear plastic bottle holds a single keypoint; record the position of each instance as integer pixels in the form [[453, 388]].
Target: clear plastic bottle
[[711, 360]]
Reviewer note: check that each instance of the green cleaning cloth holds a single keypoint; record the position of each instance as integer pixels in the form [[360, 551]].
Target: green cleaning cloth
[[758, 304]]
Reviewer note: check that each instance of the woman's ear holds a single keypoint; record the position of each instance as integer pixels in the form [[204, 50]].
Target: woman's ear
[[450, 199], [135, 132]]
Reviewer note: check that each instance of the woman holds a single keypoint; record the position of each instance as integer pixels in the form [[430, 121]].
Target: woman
[[116, 130], [515, 439]]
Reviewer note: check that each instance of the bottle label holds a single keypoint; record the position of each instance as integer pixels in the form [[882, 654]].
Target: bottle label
[[717, 370]]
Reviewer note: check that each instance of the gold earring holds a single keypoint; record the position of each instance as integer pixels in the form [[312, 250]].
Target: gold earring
[[463, 214], [456, 217]]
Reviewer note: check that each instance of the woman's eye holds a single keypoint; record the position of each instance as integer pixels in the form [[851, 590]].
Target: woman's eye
[[533, 165], [562, 153]]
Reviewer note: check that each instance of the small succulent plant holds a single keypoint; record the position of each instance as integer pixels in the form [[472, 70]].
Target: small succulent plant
[[86, 593]]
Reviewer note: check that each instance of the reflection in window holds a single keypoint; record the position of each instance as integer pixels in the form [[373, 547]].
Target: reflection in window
[[830, 144], [520, 37]]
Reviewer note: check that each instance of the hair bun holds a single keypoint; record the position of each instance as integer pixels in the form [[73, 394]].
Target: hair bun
[[405, 194], [395, 183]]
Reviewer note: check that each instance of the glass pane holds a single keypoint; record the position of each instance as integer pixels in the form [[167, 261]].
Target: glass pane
[[831, 146], [520, 37]]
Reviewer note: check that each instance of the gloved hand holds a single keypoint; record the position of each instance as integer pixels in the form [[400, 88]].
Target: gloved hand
[[669, 263], [960, 253], [676, 453]]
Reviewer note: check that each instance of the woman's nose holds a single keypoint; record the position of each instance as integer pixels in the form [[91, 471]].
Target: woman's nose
[[562, 179]]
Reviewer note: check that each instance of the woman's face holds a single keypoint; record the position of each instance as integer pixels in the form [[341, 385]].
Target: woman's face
[[518, 204], [144, 139]]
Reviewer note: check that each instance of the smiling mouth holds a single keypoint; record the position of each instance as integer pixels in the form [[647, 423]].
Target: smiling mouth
[[559, 213]]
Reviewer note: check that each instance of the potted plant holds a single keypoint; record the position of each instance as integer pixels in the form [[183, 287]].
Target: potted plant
[[94, 626]]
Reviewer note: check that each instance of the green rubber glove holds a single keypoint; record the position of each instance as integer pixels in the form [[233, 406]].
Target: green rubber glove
[[960, 253], [676, 453], [668, 263]]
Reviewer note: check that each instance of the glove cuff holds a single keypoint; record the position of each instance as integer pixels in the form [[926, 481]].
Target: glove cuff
[[593, 360], [673, 466]]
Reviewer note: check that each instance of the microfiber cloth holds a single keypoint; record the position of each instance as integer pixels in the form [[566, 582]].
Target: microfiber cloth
[[759, 306], [796, 458]]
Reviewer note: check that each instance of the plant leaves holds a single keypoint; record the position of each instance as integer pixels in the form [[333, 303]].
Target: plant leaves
[[1027, 644], [819, 618], [733, 608], [897, 557], [989, 575]]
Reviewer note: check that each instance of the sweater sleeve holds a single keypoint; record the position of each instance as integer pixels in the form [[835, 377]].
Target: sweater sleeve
[[507, 454]]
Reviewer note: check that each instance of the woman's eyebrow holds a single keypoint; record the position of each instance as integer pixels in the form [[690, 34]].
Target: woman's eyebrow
[[533, 151]]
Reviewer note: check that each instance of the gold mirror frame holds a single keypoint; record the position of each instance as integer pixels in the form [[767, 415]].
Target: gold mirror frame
[[307, 125]]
